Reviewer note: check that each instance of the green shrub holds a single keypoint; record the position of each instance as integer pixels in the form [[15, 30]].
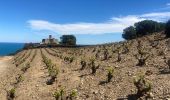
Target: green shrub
[[93, 66], [142, 56], [11, 93], [110, 74], [53, 71], [143, 86], [73, 94], [20, 79], [59, 94], [69, 59]]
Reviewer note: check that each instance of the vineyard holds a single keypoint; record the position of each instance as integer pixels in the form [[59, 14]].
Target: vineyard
[[139, 68]]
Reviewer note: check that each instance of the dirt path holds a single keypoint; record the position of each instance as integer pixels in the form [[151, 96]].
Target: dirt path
[[8, 73], [3, 63]]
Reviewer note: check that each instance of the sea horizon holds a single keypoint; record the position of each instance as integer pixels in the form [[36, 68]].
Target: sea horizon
[[8, 48]]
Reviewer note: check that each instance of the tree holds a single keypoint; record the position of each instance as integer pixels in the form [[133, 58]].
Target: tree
[[167, 29], [68, 40], [129, 33], [148, 27], [142, 28]]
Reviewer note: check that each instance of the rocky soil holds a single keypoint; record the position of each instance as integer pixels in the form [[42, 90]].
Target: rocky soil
[[28, 73]]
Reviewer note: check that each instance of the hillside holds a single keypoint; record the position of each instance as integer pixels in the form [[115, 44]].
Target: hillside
[[30, 74]]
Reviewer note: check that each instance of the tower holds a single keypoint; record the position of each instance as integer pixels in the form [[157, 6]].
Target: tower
[[50, 36]]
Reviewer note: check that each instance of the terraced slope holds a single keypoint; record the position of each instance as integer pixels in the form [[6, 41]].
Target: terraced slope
[[82, 73]]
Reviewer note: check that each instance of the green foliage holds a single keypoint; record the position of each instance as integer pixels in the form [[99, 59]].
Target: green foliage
[[92, 60], [11, 93], [53, 71], [68, 40], [110, 74], [167, 29], [142, 56], [62, 92], [143, 86], [26, 67], [142, 28], [59, 94], [129, 33], [69, 59], [20, 79], [93, 66], [73, 94], [148, 26]]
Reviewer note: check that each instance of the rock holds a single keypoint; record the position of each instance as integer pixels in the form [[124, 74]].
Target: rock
[[81, 81], [150, 95], [116, 66], [33, 97], [101, 92], [129, 74], [95, 92]]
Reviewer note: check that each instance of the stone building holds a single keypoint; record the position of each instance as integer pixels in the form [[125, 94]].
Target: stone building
[[50, 40]]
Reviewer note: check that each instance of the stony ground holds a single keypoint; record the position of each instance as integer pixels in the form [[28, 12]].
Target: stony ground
[[28, 74]]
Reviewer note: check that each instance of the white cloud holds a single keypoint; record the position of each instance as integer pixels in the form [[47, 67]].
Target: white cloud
[[115, 25], [168, 4], [160, 16], [77, 28]]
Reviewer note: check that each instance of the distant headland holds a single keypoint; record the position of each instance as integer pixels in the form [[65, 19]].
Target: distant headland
[[65, 41]]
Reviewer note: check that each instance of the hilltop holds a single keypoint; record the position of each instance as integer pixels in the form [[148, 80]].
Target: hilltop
[[82, 73]]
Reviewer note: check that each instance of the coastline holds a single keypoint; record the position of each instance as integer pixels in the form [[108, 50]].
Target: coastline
[[5, 58], [10, 49]]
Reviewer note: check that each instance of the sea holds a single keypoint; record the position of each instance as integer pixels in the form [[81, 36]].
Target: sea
[[10, 48]]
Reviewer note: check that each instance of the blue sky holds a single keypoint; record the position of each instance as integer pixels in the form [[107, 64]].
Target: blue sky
[[91, 21]]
